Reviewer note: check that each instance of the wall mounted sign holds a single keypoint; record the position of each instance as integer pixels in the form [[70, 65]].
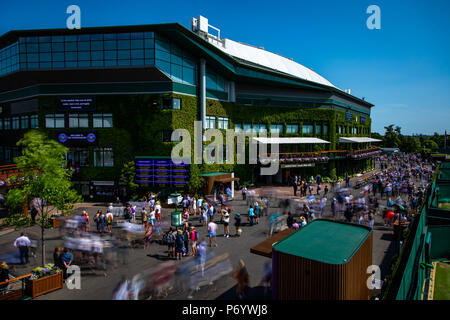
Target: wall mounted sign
[[362, 120], [77, 104], [348, 117], [77, 138], [161, 172]]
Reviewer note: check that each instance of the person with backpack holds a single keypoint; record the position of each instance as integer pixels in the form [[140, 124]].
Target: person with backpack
[[179, 241], [170, 240], [109, 220], [193, 237], [186, 237]]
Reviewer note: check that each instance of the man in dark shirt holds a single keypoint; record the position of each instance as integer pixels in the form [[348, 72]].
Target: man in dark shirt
[[237, 224], [66, 261], [290, 220]]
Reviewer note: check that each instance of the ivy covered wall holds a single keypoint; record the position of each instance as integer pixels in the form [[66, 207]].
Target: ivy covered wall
[[138, 122]]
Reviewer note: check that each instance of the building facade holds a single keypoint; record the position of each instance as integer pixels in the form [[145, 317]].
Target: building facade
[[111, 94]]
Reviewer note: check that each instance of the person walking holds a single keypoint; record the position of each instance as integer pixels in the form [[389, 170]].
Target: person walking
[[23, 243], [193, 237], [186, 238], [237, 224], [226, 224], [242, 278], [251, 215], [212, 229], [290, 220], [109, 220], [244, 193], [211, 212], [144, 217], [170, 240], [148, 235], [179, 240]]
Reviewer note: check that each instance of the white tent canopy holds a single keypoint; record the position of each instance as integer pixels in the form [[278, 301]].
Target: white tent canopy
[[294, 140], [357, 140]]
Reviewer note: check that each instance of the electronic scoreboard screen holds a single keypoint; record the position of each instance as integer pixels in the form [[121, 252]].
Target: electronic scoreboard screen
[[160, 172]]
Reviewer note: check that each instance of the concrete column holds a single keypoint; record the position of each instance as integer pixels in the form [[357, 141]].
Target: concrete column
[[202, 87], [232, 186], [232, 92]]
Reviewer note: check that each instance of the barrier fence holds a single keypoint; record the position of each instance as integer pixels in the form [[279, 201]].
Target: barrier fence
[[412, 267]]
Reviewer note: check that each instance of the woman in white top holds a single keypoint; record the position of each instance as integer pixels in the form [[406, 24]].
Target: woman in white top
[[226, 224], [158, 207], [152, 216], [199, 205], [194, 206]]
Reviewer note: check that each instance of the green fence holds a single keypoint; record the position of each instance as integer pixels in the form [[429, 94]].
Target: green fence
[[428, 240], [414, 275]]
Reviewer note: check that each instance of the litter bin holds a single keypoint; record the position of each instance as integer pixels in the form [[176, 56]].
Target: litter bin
[[176, 219]]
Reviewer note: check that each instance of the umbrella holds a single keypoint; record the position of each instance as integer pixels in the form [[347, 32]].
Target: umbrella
[[399, 207]]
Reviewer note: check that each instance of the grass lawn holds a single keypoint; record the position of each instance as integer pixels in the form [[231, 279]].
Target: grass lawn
[[442, 282]]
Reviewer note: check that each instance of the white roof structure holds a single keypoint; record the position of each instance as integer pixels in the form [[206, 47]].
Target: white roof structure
[[294, 140], [357, 140], [269, 60]]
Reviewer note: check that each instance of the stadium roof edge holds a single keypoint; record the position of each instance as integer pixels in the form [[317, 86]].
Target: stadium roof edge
[[13, 35]]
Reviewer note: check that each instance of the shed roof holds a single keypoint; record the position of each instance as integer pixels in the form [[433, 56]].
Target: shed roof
[[325, 241]]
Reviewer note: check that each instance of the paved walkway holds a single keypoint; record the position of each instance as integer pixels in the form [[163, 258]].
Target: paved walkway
[[100, 285]]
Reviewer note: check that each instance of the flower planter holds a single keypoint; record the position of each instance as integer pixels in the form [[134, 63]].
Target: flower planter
[[44, 285]]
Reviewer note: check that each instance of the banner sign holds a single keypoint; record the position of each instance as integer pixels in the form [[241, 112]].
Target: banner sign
[[77, 104], [161, 172], [77, 138]]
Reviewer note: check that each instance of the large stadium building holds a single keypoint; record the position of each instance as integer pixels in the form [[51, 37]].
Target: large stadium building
[[115, 94]]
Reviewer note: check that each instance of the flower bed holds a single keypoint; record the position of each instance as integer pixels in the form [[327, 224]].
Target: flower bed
[[44, 280], [364, 154]]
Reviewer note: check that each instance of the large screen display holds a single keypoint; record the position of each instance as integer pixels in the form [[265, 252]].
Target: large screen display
[[77, 104], [161, 172]]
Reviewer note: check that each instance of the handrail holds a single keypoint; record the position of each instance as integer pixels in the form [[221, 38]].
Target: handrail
[[8, 167], [15, 279]]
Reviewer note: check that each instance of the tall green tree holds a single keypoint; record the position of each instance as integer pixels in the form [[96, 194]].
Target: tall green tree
[[42, 175], [391, 137], [128, 177]]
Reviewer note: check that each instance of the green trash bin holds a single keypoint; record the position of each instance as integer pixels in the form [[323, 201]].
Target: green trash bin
[[176, 219]]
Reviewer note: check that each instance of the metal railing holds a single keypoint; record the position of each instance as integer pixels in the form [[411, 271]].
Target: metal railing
[[15, 288]]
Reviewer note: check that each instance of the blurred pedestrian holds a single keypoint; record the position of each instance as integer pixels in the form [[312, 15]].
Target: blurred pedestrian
[[23, 243]]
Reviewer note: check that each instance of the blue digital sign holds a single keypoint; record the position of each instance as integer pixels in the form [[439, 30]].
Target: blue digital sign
[[161, 172], [348, 117]]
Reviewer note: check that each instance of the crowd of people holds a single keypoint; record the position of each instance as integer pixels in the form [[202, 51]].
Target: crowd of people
[[394, 193]]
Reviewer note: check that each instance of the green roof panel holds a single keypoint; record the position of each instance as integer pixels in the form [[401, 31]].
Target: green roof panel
[[325, 241], [213, 174]]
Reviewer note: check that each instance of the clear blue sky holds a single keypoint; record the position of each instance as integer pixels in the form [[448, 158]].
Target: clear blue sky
[[403, 68]]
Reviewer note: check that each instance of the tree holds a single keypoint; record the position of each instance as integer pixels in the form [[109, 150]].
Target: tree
[[127, 175], [410, 145], [196, 182], [431, 144], [391, 137], [43, 177]]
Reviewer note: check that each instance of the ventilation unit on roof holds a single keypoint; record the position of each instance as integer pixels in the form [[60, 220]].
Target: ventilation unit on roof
[[201, 27]]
